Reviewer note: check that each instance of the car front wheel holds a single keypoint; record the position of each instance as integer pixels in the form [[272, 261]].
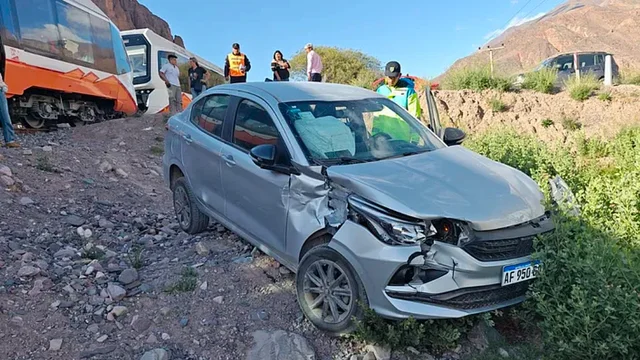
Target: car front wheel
[[329, 291], [190, 218]]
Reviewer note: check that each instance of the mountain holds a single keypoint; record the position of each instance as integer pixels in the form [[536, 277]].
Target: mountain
[[576, 25], [129, 15]]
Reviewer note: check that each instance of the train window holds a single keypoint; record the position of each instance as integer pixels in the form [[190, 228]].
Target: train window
[[183, 64], [123, 65], [75, 30], [8, 29], [38, 28], [210, 114], [102, 45]]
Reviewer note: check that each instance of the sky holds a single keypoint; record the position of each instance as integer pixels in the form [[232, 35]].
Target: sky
[[425, 36]]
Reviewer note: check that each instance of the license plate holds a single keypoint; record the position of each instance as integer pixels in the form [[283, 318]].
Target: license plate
[[513, 274]]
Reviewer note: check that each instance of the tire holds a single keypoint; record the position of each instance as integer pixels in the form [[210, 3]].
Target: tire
[[323, 314], [190, 218]]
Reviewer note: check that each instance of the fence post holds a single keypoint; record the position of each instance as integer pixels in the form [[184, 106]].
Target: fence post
[[608, 71]]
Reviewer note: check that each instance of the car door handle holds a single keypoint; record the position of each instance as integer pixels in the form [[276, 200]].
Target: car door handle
[[187, 138], [229, 160]]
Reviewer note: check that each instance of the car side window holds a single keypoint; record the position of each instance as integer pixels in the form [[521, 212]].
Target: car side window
[[586, 60], [253, 126], [564, 63], [208, 114]]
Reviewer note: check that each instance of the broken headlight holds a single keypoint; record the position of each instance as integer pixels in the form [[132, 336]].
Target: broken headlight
[[389, 227], [452, 231]]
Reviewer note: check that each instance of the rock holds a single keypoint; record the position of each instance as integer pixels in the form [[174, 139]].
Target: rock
[[413, 350], [98, 351], [165, 336], [165, 311], [204, 286], [17, 322], [47, 148], [369, 356], [156, 354], [105, 224], [184, 322], [25, 201], [116, 293], [122, 173], [74, 220], [6, 180], [480, 336], [381, 353], [55, 304], [27, 152], [504, 353], [152, 339], [102, 338], [93, 328], [202, 249], [105, 166], [141, 324], [280, 345], [261, 315], [55, 344], [128, 276], [218, 299], [118, 311], [28, 271], [65, 253], [284, 271], [6, 171]]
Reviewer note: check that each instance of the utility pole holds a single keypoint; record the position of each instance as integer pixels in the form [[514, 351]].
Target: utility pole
[[491, 50]]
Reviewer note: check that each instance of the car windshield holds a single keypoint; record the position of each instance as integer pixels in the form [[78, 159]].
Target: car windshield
[[346, 132], [544, 64]]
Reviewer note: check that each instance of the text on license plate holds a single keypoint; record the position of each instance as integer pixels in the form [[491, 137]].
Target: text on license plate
[[513, 274]]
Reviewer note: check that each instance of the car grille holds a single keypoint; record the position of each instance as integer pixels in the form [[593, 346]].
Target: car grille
[[471, 298], [497, 250]]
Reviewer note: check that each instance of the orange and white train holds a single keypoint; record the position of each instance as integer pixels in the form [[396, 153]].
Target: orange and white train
[[148, 52], [65, 62]]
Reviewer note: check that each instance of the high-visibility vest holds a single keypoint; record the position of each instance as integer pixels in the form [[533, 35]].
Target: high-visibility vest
[[234, 64]]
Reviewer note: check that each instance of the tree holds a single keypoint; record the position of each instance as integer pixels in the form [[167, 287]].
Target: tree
[[343, 66]]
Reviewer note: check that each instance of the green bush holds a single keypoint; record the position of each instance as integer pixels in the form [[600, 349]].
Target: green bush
[[542, 80], [587, 298], [630, 77], [497, 105], [570, 123], [605, 96], [476, 79], [582, 89], [546, 123]]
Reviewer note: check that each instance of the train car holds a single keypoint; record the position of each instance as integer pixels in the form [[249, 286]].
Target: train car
[[148, 52], [65, 62]]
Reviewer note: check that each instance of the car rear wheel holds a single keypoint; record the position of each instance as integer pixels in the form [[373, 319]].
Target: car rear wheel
[[190, 218], [329, 291]]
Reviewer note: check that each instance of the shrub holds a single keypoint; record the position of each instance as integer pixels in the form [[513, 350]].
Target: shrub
[[542, 80], [570, 124], [477, 79], [605, 96], [497, 105], [546, 123], [587, 297], [582, 89], [630, 77]]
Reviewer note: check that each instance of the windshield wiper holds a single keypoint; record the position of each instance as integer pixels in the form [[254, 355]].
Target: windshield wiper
[[406, 153], [344, 160]]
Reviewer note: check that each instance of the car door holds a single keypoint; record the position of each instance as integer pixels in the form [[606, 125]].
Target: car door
[[257, 199], [202, 144], [564, 65], [591, 64]]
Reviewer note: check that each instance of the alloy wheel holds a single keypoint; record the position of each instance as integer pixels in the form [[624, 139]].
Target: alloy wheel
[[182, 206], [328, 291]]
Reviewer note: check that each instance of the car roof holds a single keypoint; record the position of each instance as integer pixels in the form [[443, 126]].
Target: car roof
[[302, 91], [579, 53]]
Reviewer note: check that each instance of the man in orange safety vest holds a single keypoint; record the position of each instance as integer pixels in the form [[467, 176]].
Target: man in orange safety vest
[[236, 66]]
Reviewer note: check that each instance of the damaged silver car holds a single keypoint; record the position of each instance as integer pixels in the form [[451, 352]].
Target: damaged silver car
[[366, 204]]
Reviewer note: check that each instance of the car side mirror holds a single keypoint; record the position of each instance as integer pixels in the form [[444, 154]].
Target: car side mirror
[[264, 155], [453, 136]]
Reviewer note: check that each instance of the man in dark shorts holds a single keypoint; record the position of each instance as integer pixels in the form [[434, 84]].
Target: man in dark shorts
[[198, 77]]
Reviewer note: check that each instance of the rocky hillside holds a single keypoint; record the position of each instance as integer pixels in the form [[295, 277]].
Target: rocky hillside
[[129, 14], [552, 118], [577, 25]]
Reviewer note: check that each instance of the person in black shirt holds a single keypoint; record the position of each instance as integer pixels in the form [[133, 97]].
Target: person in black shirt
[[280, 67], [198, 77]]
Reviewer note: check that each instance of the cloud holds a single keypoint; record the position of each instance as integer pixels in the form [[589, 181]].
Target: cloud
[[514, 2], [516, 21]]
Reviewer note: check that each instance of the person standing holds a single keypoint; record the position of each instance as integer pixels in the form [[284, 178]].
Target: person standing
[[280, 67], [236, 65], [198, 77], [170, 74], [5, 118], [400, 90], [314, 64]]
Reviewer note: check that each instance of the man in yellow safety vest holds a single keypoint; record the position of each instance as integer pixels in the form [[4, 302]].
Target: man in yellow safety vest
[[236, 65]]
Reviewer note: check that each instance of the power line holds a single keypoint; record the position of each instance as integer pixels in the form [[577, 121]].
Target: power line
[[534, 9]]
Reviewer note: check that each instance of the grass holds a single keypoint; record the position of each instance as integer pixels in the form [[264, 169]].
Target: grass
[[497, 105], [476, 79], [157, 150], [630, 77], [571, 124], [582, 89], [93, 253], [542, 80], [135, 256], [187, 282], [547, 123], [605, 96]]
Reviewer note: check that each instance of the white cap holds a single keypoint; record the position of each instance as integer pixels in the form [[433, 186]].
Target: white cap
[[308, 46]]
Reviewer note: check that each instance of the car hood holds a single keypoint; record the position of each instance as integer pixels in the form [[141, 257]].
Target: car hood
[[452, 182]]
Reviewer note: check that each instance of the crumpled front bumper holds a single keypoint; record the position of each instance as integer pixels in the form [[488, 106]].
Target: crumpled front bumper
[[464, 286]]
